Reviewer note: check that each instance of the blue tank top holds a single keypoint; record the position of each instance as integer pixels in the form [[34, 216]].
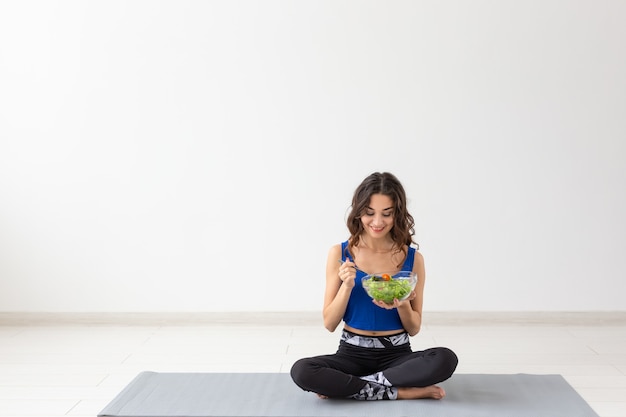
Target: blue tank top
[[361, 312]]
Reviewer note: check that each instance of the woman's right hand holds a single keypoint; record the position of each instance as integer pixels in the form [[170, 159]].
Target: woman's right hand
[[347, 273]]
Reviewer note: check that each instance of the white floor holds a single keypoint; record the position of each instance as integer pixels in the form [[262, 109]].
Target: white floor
[[72, 367]]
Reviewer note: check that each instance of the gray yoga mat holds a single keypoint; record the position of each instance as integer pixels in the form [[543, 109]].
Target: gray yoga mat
[[153, 394]]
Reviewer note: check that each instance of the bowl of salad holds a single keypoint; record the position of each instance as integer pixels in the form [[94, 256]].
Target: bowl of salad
[[386, 287]]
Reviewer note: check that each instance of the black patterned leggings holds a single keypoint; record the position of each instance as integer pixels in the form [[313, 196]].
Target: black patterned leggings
[[347, 372]]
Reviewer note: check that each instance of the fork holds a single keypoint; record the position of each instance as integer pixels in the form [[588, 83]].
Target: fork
[[354, 266]]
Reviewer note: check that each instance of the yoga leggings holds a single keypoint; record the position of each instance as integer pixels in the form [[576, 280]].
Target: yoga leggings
[[340, 374]]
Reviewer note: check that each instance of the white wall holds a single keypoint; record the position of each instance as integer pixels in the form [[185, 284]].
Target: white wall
[[201, 156]]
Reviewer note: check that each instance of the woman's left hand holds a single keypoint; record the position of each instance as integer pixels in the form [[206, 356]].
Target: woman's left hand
[[396, 303]]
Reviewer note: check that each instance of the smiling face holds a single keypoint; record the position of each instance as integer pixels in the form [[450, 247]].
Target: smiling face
[[377, 218], [379, 215]]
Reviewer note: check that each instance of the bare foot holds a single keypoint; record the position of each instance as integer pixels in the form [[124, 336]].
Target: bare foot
[[413, 393], [323, 397]]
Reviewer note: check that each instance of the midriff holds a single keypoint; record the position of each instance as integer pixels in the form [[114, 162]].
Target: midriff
[[372, 332]]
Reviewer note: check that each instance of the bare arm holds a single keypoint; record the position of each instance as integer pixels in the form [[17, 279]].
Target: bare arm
[[410, 310], [338, 288]]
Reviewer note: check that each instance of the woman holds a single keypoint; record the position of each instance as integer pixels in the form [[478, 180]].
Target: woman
[[374, 360]]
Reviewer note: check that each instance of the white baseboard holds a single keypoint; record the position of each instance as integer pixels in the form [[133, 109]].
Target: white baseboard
[[289, 318]]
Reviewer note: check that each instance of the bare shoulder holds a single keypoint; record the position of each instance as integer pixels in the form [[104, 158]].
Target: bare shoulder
[[418, 256], [335, 251]]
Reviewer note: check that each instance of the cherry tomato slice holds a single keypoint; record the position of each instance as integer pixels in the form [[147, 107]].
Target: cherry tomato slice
[[386, 277]]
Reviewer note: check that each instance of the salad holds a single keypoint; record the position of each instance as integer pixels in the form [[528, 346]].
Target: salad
[[385, 288]]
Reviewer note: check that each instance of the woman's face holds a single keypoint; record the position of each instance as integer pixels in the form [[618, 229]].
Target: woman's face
[[377, 218]]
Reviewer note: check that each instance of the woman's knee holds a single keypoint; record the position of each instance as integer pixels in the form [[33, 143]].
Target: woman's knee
[[450, 360], [300, 370]]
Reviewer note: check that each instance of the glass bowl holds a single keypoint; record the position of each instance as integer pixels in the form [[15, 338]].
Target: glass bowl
[[387, 286]]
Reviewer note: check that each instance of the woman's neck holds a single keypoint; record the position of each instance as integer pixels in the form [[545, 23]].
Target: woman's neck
[[377, 245]]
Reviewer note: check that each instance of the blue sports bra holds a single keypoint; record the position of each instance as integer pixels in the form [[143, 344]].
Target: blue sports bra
[[361, 313]]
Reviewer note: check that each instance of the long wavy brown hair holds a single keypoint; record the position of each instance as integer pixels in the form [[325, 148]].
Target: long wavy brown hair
[[403, 223]]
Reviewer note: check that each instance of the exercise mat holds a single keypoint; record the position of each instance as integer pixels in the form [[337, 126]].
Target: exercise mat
[[153, 394]]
